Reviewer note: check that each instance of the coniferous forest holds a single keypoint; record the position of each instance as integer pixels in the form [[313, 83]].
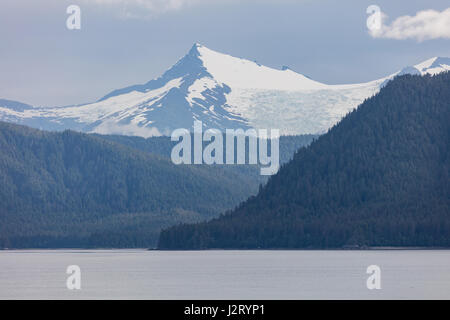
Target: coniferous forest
[[68, 189], [380, 177]]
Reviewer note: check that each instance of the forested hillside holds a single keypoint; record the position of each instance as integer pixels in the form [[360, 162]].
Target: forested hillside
[[380, 177], [69, 189], [162, 146], [73, 189]]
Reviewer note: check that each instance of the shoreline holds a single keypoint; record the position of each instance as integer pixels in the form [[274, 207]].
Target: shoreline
[[387, 248]]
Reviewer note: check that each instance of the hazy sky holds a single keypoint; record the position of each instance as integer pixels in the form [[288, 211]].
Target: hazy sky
[[125, 42]]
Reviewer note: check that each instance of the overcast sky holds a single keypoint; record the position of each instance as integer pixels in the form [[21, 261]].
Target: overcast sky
[[125, 42]]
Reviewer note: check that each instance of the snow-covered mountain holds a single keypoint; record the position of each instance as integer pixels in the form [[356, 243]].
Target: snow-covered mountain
[[220, 90]]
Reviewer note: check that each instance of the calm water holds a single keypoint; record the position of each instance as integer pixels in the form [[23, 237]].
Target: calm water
[[140, 274]]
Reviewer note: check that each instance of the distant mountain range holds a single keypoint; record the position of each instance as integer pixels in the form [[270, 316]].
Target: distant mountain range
[[380, 177], [221, 91]]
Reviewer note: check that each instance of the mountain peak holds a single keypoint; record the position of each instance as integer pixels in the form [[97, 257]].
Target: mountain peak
[[195, 47], [222, 91], [433, 65], [246, 74]]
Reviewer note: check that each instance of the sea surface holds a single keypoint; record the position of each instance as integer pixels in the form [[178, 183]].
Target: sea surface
[[144, 274]]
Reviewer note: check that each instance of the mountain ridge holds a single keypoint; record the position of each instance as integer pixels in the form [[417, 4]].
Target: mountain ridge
[[71, 189], [380, 177], [223, 92]]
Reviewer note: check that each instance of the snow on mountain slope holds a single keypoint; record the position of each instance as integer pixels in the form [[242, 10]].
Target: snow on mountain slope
[[220, 90], [434, 65], [245, 74]]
